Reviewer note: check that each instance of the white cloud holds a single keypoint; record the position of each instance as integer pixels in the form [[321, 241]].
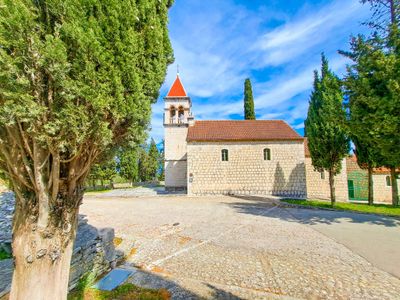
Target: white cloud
[[218, 44], [304, 32]]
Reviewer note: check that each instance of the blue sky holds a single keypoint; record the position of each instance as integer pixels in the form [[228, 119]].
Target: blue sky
[[277, 44]]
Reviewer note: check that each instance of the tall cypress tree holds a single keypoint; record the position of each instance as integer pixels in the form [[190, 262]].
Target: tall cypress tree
[[327, 141], [249, 113]]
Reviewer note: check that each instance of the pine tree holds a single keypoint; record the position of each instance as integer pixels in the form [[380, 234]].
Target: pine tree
[[327, 140], [249, 113], [77, 78]]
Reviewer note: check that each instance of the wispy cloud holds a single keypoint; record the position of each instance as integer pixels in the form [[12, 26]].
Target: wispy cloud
[[219, 43]]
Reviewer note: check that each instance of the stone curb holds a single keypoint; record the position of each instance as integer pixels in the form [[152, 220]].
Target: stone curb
[[282, 203]]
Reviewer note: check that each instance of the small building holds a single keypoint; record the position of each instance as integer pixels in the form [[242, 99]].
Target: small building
[[358, 182]]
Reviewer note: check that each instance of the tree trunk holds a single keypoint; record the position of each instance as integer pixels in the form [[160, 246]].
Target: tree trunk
[[395, 191], [42, 256], [370, 187], [332, 187]]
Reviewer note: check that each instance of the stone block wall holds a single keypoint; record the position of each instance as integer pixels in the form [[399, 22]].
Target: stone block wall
[[175, 174], [382, 192], [246, 171], [175, 156], [318, 186]]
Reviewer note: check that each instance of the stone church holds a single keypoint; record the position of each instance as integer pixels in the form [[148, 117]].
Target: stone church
[[249, 157]]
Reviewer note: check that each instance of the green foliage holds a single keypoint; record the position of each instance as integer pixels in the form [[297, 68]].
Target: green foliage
[[105, 171], [381, 209], [249, 113], [325, 123], [149, 162], [76, 78], [4, 254], [129, 163], [125, 291], [373, 88]]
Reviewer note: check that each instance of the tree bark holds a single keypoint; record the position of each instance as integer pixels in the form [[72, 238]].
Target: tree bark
[[42, 257], [395, 191], [392, 12], [332, 187], [370, 187]]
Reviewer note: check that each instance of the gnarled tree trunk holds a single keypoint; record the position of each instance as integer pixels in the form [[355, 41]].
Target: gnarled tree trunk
[[43, 254]]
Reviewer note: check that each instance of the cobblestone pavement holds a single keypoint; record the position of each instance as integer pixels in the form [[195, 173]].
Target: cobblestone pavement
[[6, 212], [234, 248], [6, 270]]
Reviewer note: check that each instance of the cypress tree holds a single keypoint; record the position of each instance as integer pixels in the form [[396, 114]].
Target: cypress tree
[[326, 135], [153, 160], [77, 78], [249, 113]]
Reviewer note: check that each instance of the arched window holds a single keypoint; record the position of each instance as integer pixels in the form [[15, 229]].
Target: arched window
[[172, 114], [224, 153], [388, 181], [181, 114], [267, 154]]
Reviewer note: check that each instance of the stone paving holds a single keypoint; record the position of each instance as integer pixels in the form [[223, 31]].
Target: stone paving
[[6, 212], [234, 248]]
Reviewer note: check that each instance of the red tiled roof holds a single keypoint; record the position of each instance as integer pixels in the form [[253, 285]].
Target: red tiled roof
[[352, 161], [177, 89], [246, 130]]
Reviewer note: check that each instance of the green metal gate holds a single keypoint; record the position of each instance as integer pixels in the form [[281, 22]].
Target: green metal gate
[[358, 185]]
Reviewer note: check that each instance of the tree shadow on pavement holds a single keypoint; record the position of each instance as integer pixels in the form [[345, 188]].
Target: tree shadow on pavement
[[260, 206]]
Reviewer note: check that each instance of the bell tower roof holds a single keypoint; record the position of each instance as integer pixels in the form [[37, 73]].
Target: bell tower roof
[[177, 89]]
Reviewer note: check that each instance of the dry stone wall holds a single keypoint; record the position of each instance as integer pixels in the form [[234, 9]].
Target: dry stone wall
[[246, 171]]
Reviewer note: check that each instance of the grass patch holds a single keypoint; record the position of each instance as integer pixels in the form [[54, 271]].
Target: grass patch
[[4, 255], [380, 209], [126, 291]]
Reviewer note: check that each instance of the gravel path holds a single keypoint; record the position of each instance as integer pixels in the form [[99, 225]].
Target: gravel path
[[234, 248]]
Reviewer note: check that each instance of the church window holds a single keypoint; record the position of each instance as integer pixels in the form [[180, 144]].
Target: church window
[[322, 175], [267, 154], [388, 181], [224, 153]]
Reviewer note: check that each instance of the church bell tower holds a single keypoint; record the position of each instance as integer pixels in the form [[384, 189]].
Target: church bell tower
[[177, 118]]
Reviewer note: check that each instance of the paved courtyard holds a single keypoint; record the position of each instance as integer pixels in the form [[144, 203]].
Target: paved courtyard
[[250, 248]]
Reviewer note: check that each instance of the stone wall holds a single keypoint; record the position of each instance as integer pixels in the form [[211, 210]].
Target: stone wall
[[175, 156], [93, 253], [246, 171], [318, 185], [382, 192]]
